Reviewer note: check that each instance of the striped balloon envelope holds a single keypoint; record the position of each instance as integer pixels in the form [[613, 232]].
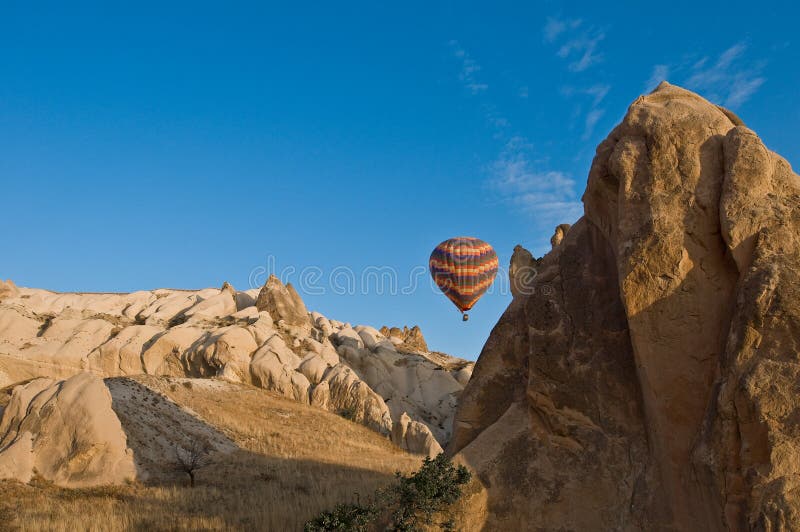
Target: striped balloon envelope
[[463, 268]]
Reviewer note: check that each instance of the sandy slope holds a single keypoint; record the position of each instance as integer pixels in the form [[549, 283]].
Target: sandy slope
[[277, 463]]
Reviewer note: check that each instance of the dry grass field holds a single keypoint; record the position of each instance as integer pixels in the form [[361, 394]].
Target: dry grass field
[[290, 462]]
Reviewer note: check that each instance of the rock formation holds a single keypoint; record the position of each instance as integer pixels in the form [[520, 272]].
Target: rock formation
[[406, 338], [65, 432], [262, 337], [416, 383], [414, 437], [522, 271], [282, 302], [558, 235], [649, 378], [8, 289], [343, 392]]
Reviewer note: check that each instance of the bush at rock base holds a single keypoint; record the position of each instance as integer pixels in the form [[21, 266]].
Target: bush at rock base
[[406, 505]]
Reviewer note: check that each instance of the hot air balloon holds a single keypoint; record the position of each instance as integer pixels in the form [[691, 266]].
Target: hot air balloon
[[463, 268]]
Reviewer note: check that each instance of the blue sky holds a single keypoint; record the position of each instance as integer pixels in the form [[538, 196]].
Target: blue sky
[[146, 146]]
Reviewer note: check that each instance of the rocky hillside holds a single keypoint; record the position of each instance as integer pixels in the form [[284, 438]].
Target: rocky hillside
[[263, 337], [648, 378], [271, 462]]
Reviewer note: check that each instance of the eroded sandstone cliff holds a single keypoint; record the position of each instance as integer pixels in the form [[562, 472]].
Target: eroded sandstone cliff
[[647, 378]]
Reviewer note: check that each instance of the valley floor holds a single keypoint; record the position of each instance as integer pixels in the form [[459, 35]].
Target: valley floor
[[278, 464]]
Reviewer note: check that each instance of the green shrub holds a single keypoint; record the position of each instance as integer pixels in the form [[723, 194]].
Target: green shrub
[[414, 500], [343, 517], [404, 505]]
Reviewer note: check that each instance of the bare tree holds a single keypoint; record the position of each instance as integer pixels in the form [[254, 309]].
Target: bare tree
[[192, 458]]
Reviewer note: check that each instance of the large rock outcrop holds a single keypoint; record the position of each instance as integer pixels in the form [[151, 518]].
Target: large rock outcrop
[[649, 377], [65, 432]]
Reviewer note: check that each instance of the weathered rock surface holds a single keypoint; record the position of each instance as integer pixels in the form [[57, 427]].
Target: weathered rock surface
[[343, 392], [408, 382], [551, 419], [414, 437], [282, 302], [274, 367], [650, 378], [558, 234], [216, 306], [522, 272], [7, 289], [406, 338], [66, 432], [263, 337]]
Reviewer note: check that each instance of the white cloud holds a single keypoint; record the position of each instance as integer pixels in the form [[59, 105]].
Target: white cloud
[[592, 117], [584, 49], [730, 55], [469, 70], [548, 195], [580, 43], [499, 122], [727, 81], [597, 92], [730, 80], [660, 73], [741, 90], [550, 214], [556, 26], [553, 28]]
